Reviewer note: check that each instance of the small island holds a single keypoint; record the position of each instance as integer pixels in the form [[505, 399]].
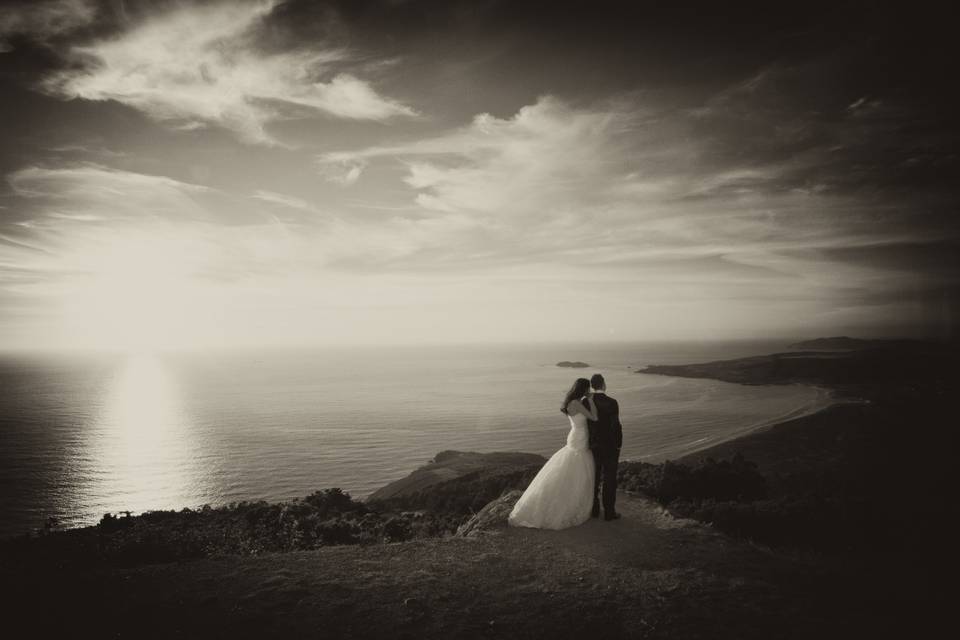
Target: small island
[[576, 364]]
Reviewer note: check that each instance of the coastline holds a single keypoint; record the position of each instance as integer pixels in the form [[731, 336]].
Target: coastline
[[826, 398], [227, 437], [814, 546]]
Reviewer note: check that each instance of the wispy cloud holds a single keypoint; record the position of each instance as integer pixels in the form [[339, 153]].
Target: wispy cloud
[[205, 265], [608, 177], [200, 65], [44, 20], [290, 202], [344, 172], [497, 166], [76, 212], [90, 191], [768, 204], [631, 196]]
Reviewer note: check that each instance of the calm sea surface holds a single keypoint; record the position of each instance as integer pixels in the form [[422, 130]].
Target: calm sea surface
[[84, 435]]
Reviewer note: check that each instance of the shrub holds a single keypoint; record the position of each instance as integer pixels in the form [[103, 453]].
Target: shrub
[[327, 517], [736, 479], [333, 501], [818, 513], [809, 521], [397, 529]]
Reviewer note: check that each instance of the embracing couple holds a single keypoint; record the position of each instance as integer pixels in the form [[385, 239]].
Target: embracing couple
[[566, 490]]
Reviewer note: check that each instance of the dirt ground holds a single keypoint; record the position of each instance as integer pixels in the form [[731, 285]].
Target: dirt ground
[[644, 576]]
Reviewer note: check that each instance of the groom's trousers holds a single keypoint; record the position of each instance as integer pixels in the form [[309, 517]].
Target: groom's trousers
[[605, 461]]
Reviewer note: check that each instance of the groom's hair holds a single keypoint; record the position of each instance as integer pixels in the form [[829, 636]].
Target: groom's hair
[[597, 381]]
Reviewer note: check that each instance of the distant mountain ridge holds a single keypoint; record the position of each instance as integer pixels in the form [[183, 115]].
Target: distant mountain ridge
[[846, 343], [830, 361]]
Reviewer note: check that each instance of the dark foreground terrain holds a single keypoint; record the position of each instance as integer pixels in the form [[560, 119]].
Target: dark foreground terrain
[[645, 576], [830, 525]]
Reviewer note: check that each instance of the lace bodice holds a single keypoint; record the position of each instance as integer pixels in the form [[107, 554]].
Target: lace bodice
[[577, 438]]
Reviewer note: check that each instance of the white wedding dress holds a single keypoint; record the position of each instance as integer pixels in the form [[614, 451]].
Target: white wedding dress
[[561, 494]]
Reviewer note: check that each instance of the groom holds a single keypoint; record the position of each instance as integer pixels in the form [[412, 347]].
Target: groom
[[606, 438]]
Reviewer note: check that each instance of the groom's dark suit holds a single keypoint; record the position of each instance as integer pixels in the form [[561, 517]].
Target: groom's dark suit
[[606, 438]]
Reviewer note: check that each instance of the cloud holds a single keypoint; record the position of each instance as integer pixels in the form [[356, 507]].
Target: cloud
[[621, 196], [343, 172], [685, 222], [498, 166], [73, 214], [95, 192], [284, 200], [97, 251], [44, 20], [615, 176], [199, 65]]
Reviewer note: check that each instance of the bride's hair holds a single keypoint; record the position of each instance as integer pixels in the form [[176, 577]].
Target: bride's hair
[[577, 391]]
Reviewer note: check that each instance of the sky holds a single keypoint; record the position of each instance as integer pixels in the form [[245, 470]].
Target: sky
[[179, 174]]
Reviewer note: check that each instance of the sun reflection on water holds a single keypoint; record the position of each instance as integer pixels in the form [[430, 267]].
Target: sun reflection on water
[[143, 443]]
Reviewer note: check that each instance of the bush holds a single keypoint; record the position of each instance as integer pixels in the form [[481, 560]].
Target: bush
[[333, 502], [110, 522], [736, 479], [735, 498], [807, 521], [327, 517], [397, 529]]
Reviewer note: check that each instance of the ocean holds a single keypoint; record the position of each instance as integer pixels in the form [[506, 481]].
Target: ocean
[[82, 435]]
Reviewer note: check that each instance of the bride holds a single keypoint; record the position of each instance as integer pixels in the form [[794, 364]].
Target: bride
[[561, 494]]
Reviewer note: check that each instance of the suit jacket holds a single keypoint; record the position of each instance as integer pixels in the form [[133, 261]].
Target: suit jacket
[[606, 431]]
